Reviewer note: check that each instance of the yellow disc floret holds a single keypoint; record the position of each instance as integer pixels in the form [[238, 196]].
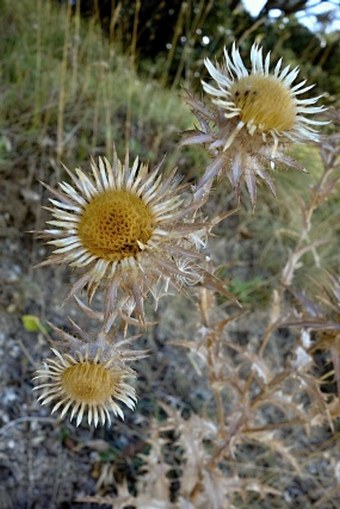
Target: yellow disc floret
[[89, 383], [113, 222], [265, 102]]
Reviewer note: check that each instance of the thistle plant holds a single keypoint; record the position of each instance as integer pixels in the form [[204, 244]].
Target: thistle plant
[[156, 390], [253, 116], [266, 405], [86, 384], [88, 378], [127, 230], [131, 233]]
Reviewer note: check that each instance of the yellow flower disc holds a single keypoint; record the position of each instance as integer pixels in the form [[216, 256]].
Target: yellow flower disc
[[89, 383], [265, 102], [113, 222]]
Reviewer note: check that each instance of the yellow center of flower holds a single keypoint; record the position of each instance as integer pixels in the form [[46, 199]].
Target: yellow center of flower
[[113, 222], [265, 102], [89, 383]]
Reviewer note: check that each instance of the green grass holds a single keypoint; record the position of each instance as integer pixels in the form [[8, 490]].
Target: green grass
[[68, 94]]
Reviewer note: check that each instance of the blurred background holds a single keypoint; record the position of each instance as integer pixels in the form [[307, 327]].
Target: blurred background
[[172, 38], [78, 74]]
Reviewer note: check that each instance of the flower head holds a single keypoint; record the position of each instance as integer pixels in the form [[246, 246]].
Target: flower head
[[83, 383], [255, 114], [126, 229]]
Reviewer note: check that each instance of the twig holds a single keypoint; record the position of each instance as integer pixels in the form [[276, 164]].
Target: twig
[[20, 420]]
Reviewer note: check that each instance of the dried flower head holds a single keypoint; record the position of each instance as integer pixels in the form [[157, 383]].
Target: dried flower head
[[255, 114], [128, 229], [85, 384]]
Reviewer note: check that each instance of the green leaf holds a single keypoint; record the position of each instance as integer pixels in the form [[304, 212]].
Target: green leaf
[[32, 323]]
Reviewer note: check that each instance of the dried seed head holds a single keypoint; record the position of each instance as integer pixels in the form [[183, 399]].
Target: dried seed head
[[254, 115], [265, 102], [114, 224], [129, 231], [89, 382], [83, 384]]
